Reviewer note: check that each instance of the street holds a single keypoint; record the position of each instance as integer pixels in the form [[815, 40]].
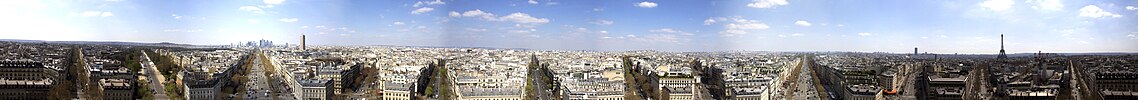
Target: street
[[154, 78], [259, 87]]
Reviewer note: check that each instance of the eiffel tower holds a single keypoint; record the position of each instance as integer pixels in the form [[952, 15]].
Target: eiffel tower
[[1002, 54]]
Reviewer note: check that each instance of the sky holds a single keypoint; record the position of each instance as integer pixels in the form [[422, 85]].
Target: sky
[[934, 26]]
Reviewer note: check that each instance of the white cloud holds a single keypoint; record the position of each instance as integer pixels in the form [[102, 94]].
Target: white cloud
[[176, 16], [1047, 4], [767, 3], [96, 14], [181, 30], [476, 29], [601, 22], [669, 30], [421, 3], [747, 25], [516, 17], [646, 4], [524, 18], [525, 25], [730, 33], [660, 38], [797, 34], [864, 34], [713, 20], [397, 23], [436, 2], [253, 9], [997, 5], [106, 14], [519, 31], [1093, 11], [289, 20], [326, 30], [532, 2], [1131, 8], [802, 23], [1133, 35], [422, 10], [737, 25], [709, 21], [455, 14], [475, 13], [664, 30], [273, 2]]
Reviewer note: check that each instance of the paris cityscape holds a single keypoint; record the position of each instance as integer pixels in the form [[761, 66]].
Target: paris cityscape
[[568, 50]]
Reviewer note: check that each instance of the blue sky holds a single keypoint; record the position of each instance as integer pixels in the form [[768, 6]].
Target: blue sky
[[935, 26]]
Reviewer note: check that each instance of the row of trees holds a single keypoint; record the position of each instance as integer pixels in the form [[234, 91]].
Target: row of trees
[[168, 68], [64, 86], [364, 77], [236, 85], [540, 83], [76, 76], [435, 82], [165, 64], [132, 59]]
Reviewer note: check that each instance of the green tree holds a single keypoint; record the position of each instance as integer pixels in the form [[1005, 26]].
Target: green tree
[[143, 91], [61, 90]]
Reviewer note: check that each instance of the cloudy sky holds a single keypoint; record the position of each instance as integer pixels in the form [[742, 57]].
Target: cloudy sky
[[935, 26]]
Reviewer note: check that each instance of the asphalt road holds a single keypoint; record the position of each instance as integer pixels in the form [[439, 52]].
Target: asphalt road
[[259, 87], [155, 78]]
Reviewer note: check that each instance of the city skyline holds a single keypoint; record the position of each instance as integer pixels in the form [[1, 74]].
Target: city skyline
[[970, 27]]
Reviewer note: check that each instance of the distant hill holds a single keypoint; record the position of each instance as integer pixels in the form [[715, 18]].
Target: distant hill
[[161, 44]]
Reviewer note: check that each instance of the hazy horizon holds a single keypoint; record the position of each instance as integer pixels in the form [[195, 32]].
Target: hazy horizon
[[895, 26]]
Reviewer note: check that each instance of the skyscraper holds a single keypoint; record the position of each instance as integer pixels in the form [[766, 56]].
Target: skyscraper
[[1002, 54], [302, 42]]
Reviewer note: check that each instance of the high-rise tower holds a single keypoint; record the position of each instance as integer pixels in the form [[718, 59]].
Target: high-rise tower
[[1002, 54], [302, 42], [915, 51]]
